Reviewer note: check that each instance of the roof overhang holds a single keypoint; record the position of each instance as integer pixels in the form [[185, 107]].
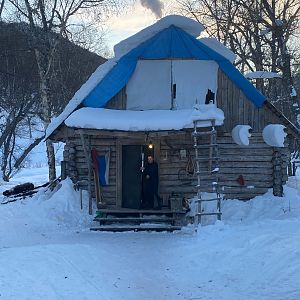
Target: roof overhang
[[150, 120]]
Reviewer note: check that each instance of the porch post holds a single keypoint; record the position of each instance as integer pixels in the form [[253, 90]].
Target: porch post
[[87, 154], [277, 174]]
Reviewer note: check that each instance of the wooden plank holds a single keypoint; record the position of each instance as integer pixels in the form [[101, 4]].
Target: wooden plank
[[240, 105], [103, 133], [119, 173], [221, 176], [224, 159], [84, 172], [82, 160], [242, 190], [243, 196], [219, 98], [223, 164], [123, 210], [234, 103], [113, 228], [118, 101], [249, 183], [225, 171], [87, 151]]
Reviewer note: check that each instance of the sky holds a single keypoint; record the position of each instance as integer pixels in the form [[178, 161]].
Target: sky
[[133, 20]]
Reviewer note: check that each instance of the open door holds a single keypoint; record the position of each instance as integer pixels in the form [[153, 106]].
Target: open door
[[131, 176]]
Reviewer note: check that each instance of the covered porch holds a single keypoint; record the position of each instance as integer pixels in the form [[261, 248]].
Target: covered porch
[[129, 137]]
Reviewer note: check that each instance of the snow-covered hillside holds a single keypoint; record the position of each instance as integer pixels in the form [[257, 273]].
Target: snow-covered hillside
[[48, 252]]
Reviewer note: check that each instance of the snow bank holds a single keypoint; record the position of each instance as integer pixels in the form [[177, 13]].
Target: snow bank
[[80, 95], [214, 44], [262, 74], [274, 135], [190, 26], [150, 120], [63, 206], [293, 92], [255, 250], [240, 134], [52, 209], [262, 208]]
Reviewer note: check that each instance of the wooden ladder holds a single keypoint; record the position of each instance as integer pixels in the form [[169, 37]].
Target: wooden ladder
[[213, 169]]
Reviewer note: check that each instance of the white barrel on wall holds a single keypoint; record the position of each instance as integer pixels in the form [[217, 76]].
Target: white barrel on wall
[[241, 134], [274, 135]]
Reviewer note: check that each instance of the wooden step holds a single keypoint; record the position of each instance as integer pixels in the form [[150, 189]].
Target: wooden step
[[207, 158], [212, 172], [128, 219], [209, 214], [207, 200], [114, 228], [205, 146], [201, 133], [116, 211]]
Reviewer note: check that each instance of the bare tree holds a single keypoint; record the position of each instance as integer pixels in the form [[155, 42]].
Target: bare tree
[[44, 18], [15, 105], [259, 32], [20, 105], [1, 7]]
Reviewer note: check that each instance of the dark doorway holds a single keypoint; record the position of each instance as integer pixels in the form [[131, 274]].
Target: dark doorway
[[131, 176]]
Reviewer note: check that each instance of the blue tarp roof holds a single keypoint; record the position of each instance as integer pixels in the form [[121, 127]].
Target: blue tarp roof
[[170, 43]]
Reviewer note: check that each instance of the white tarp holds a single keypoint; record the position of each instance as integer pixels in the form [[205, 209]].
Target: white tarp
[[193, 78], [150, 87]]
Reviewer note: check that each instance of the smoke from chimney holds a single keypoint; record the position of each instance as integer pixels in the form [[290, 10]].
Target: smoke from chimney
[[156, 6]]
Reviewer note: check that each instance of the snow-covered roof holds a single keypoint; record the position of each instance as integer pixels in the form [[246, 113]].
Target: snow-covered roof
[[171, 42], [262, 74], [150, 120], [83, 92], [214, 44], [190, 26]]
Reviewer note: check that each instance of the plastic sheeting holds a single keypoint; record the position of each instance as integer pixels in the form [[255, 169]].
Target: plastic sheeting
[[170, 43], [193, 78], [150, 85]]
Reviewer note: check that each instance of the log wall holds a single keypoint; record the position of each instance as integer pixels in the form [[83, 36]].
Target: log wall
[[239, 110], [253, 162], [118, 101], [76, 166]]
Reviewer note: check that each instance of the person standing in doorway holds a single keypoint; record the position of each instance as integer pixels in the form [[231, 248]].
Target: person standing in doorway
[[150, 184]]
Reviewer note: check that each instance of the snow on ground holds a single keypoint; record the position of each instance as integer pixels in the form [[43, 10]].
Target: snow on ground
[[48, 252]]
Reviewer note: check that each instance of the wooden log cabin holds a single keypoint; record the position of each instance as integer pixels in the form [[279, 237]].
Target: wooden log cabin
[[146, 94]]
